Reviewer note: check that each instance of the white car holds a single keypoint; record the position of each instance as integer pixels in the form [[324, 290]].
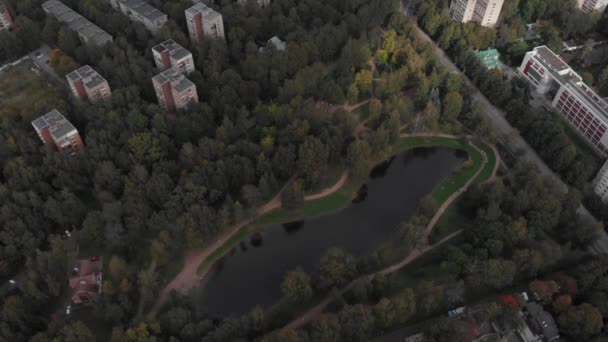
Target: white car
[[67, 233], [12, 282], [68, 310]]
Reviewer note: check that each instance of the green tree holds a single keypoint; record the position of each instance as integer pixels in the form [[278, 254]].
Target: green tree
[[313, 160], [76, 332], [296, 286], [336, 269], [581, 322], [451, 106]]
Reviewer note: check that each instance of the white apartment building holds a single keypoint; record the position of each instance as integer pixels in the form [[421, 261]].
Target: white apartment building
[[600, 183], [169, 54], [204, 22], [592, 5], [484, 12], [582, 108]]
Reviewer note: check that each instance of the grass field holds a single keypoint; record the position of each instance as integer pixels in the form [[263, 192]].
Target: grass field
[[489, 168], [25, 93]]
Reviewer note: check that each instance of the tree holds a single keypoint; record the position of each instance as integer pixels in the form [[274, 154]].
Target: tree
[[544, 289], [582, 322], [76, 332], [336, 269], [363, 80], [296, 286], [313, 160], [358, 158], [451, 106], [562, 303], [325, 329], [292, 197]]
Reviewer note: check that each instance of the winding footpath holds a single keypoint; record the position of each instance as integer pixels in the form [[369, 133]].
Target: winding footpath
[[318, 309]]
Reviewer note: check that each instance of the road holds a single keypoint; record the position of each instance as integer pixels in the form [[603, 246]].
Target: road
[[497, 118]]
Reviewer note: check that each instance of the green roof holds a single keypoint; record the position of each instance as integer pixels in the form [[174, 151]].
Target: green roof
[[489, 58]]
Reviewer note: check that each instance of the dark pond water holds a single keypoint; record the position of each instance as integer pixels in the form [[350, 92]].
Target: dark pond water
[[251, 273]]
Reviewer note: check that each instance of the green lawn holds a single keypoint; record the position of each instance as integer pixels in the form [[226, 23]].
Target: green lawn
[[489, 168]]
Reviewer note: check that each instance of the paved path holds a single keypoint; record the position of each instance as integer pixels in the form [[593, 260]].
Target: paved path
[[496, 118], [315, 311]]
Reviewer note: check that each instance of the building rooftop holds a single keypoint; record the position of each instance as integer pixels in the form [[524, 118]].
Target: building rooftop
[[90, 77], [489, 58], [208, 12], [178, 81], [542, 321], [85, 29], [278, 43], [551, 58], [56, 123], [144, 9], [175, 50]]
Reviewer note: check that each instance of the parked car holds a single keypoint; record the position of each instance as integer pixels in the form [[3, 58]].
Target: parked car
[[95, 258], [67, 233], [68, 310]]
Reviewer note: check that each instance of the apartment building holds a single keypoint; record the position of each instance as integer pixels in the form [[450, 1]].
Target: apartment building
[[141, 11], [484, 12], [88, 85], [592, 5], [576, 102], [173, 90], [600, 183], [261, 3], [86, 30], [6, 19], [204, 22], [57, 132], [169, 54]]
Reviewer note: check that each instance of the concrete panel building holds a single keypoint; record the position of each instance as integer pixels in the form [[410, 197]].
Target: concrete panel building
[[484, 12], [57, 132], [600, 183], [173, 90], [592, 5], [88, 85], [204, 22], [261, 3], [169, 54], [576, 102], [141, 11], [86, 30], [6, 19]]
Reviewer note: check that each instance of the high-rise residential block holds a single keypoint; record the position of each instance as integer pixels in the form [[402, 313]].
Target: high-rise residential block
[[592, 5], [600, 183], [88, 85], [87, 31], [169, 54], [141, 11], [261, 3], [173, 90], [57, 132], [6, 19], [580, 106], [484, 12], [204, 22]]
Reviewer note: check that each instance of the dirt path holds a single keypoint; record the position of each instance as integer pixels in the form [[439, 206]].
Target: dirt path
[[189, 277], [413, 255]]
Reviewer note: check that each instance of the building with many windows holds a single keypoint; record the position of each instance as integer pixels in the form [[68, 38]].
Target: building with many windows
[[6, 19], [169, 54], [261, 3], [88, 85], [57, 132], [484, 12], [86, 30], [141, 11], [600, 183], [592, 5], [575, 101], [173, 90], [204, 22]]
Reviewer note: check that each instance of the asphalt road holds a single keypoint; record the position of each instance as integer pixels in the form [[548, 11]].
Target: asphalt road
[[496, 117]]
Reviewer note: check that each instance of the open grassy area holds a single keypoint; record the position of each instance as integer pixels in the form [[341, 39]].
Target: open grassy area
[[227, 246], [489, 168], [26, 94]]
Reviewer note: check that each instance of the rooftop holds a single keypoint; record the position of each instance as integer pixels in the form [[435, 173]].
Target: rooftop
[[542, 321], [551, 58], [489, 58], [144, 9], [85, 29], [278, 43], [56, 123], [208, 12], [175, 50], [90, 77], [178, 81]]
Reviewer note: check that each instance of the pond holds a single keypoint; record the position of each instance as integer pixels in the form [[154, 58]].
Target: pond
[[251, 274]]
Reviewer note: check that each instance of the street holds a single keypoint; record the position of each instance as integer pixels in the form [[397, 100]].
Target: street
[[496, 117]]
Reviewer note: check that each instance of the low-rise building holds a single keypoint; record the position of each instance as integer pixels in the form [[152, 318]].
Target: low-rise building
[[204, 22], [592, 5], [576, 102], [57, 132], [88, 85], [169, 54], [85, 280], [484, 12], [141, 11], [278, 43], [86, 30], [6, 19], [173, 90]]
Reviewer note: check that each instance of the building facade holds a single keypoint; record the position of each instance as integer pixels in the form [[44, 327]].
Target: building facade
[[169, 54], [6, 19], [141, 11], [600, 183], [592, 5], [86, 30], [88, 85], [173, 90], [484, 12], [576, 102], [261, 3], [57, 132], [204, 22]]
